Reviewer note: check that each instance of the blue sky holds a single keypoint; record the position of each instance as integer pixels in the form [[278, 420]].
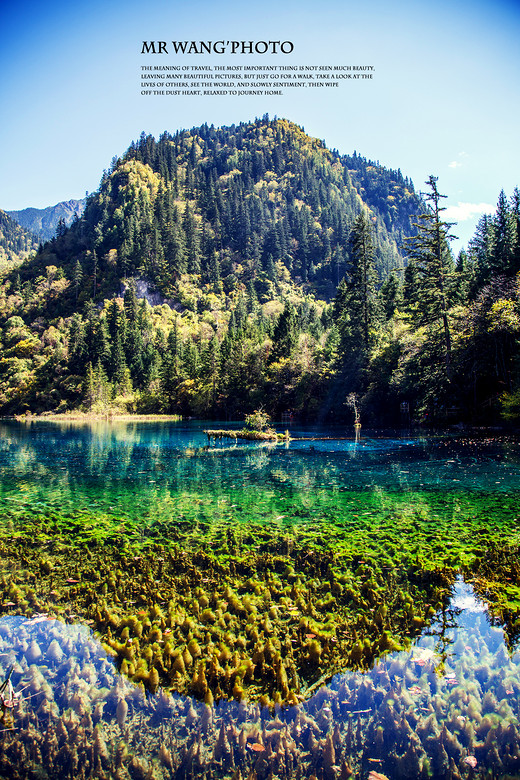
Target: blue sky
[[444, 98]]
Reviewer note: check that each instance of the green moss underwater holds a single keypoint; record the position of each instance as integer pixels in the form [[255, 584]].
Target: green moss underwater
[[253, 574], [223, 601]]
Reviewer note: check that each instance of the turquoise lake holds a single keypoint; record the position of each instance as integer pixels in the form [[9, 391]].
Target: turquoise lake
[[444, 705]]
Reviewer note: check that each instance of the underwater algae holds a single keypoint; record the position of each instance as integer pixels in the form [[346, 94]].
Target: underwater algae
[[262, 619], [448, 708], [241, 608]]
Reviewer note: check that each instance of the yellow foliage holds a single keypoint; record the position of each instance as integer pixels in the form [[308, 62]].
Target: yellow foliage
[[135, 176], [24, 349], [504, 316], [272, 308]]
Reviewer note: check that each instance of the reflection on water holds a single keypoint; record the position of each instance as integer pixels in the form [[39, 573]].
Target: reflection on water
[[141, 469], [179, 452], [447, 709]]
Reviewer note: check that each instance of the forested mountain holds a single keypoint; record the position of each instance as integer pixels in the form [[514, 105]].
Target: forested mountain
[[16, 243], [280, 274], [227, 205], [44, 222]]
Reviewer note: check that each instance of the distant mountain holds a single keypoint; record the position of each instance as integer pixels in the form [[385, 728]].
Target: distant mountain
[[43, 222], [16, 243]]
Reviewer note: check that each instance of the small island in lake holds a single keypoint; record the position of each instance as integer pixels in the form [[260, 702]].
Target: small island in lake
[[257, 428]]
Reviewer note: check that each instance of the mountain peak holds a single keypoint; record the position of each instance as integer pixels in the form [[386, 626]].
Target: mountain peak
[[43, 222]]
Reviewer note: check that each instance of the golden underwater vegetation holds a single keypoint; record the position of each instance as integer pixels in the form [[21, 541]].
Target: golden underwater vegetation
[[264, 625], [265, 620], [447, 710], [263, 612]]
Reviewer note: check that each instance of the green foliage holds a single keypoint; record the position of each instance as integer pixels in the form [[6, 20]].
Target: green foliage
[[219, 271], [263, 196], [96, 390], [257, 420], [16, 243], [510, 403], [429, 249], [361, 286]]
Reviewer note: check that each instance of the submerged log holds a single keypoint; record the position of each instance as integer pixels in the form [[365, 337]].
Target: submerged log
[[268, 435]]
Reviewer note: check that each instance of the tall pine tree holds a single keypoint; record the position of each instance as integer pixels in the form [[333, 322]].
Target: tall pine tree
[[431, 253], [362, 300]]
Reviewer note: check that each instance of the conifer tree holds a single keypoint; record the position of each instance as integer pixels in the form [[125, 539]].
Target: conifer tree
[[463, 277], [100, 348], [118, 367], [515, 218], [77, 347], [94, 262], [77, 276], [410, 286], [212, 361], [286, 332], [430, 251], [192, 241], [89, 387], [362, 299], [391, 294], [113, 317], [171, 370], [479, 251], [130, 302], [502, 238], [61, 228]]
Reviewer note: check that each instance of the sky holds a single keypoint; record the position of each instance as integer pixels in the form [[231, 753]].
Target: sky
[[443, 99]]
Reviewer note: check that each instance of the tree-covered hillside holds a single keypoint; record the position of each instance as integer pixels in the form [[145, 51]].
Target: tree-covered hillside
[[15, 242], [227, 205], [219, 270]]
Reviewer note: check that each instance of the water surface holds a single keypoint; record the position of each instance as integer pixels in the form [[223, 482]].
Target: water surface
[[268, 567]]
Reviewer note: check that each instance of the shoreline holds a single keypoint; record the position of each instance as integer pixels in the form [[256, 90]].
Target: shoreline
[[92, 416], [494, 431]]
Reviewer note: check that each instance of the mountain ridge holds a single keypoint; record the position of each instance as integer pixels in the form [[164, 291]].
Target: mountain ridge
[[206, 201], [216, 271], [44, 222], [16, 243]]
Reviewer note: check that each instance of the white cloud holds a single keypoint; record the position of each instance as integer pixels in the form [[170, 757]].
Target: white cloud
[[455, 163], [463, 211]]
